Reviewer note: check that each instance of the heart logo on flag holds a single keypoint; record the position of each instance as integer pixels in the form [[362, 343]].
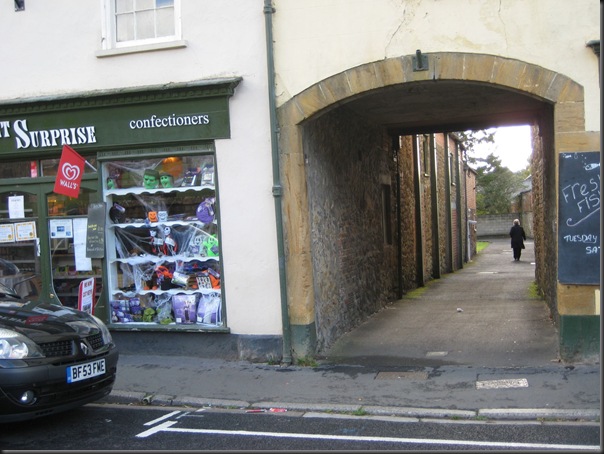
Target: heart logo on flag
[[70, 172], [69, 176]]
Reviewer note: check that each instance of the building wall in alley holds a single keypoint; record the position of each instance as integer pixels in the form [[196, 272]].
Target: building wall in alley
[[470, 197], [351, 201], [409, 232]]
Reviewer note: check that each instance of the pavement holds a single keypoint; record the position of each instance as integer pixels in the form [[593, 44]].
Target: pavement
[[476, 344]]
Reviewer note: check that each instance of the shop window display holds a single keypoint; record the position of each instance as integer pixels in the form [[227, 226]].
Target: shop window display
[[163, 250]]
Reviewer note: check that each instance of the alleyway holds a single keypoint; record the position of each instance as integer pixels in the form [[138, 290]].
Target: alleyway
[[482, 315]]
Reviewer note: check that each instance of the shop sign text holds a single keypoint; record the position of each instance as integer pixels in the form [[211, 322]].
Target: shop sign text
[[24, 138], [30, 138]]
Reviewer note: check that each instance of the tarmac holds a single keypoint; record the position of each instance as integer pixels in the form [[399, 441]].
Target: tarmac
[[476, 344]]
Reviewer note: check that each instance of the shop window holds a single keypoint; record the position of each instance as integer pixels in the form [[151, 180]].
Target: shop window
[[21, 169], [43, 168], [129, 23], [162, 246], [61, 205], [19, 256], [50, 167]]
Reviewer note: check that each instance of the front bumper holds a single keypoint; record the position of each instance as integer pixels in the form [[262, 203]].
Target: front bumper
[[53, 393]]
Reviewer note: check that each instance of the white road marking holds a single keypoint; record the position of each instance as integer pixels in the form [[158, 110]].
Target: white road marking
[[167, 427], [155, 421], [506, 383]]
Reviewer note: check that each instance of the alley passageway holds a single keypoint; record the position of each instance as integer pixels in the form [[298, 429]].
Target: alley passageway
[[482, 315]]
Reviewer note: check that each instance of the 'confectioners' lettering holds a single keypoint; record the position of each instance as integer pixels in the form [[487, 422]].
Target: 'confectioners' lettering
[[170, 121]]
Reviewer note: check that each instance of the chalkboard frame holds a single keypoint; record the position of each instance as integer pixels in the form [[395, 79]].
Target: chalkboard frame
[[579, 218]]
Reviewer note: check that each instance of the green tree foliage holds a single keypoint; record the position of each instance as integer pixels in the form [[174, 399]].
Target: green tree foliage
[[471, 139], [496, 185]]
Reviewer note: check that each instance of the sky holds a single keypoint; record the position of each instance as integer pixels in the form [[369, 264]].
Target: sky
[[512, 145]]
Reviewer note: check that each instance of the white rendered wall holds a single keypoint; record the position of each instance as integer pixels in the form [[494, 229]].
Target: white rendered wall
[[315, 39], [50, 50]]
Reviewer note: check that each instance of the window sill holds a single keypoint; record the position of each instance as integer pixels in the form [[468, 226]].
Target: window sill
[[139, 49], [174, 327]]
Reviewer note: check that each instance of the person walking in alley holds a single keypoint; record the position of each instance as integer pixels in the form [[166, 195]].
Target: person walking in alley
[[518, 237]]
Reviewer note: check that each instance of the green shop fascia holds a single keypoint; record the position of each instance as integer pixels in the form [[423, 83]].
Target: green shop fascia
[[145, 227]]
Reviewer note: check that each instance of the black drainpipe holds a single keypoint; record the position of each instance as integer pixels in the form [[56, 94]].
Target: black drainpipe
[[277, 188]]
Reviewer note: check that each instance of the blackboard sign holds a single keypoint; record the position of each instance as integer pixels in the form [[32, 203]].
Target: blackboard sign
[[95, 233], [579, 218]]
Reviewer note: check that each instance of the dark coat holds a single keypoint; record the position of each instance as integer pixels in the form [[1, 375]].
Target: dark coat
[[518, 236]]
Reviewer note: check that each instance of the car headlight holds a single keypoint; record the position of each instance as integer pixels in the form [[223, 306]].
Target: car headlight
[[107, 339], [16, 346]]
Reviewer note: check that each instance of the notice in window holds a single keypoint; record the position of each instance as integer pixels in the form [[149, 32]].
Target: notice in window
[[7, 233], [25, 231], [82, 263], [61, 228], [16, 207]]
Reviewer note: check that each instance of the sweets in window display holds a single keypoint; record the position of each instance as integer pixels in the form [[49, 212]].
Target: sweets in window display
[[151, 179], [205, 210], [170, 246], [168, 172], [185, 308], [202, 309], [153, 209], [209, 309], [155, 242], [209, 246], [207, 174], [191, 178], [185, 241], [166, 180], [117, 213], [112, 183], [166, 242]]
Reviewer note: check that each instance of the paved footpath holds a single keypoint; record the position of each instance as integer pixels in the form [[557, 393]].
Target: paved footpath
[[470, 367]]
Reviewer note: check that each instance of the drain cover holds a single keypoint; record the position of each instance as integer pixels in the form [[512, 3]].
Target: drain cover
[[432, 354], [413, 375], [507, 383]]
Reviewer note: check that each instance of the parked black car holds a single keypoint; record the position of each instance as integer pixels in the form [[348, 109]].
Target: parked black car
[[52, 358]]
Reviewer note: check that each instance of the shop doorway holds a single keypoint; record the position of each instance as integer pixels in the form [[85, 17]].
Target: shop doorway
[[43, 240]]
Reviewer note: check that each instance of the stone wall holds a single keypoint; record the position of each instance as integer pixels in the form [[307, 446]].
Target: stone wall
[[349, 165], [496, 224], [408, 229]]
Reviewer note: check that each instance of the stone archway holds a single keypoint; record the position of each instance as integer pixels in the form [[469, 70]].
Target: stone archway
[[566, 133]]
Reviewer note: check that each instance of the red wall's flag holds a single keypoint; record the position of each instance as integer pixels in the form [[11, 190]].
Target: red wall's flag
[[69, 175]]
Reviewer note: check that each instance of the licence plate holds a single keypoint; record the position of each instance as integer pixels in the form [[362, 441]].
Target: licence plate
[[86, 370]]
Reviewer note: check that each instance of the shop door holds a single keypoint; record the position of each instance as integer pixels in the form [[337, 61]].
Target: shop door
[[67, 221], [51, 263]]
